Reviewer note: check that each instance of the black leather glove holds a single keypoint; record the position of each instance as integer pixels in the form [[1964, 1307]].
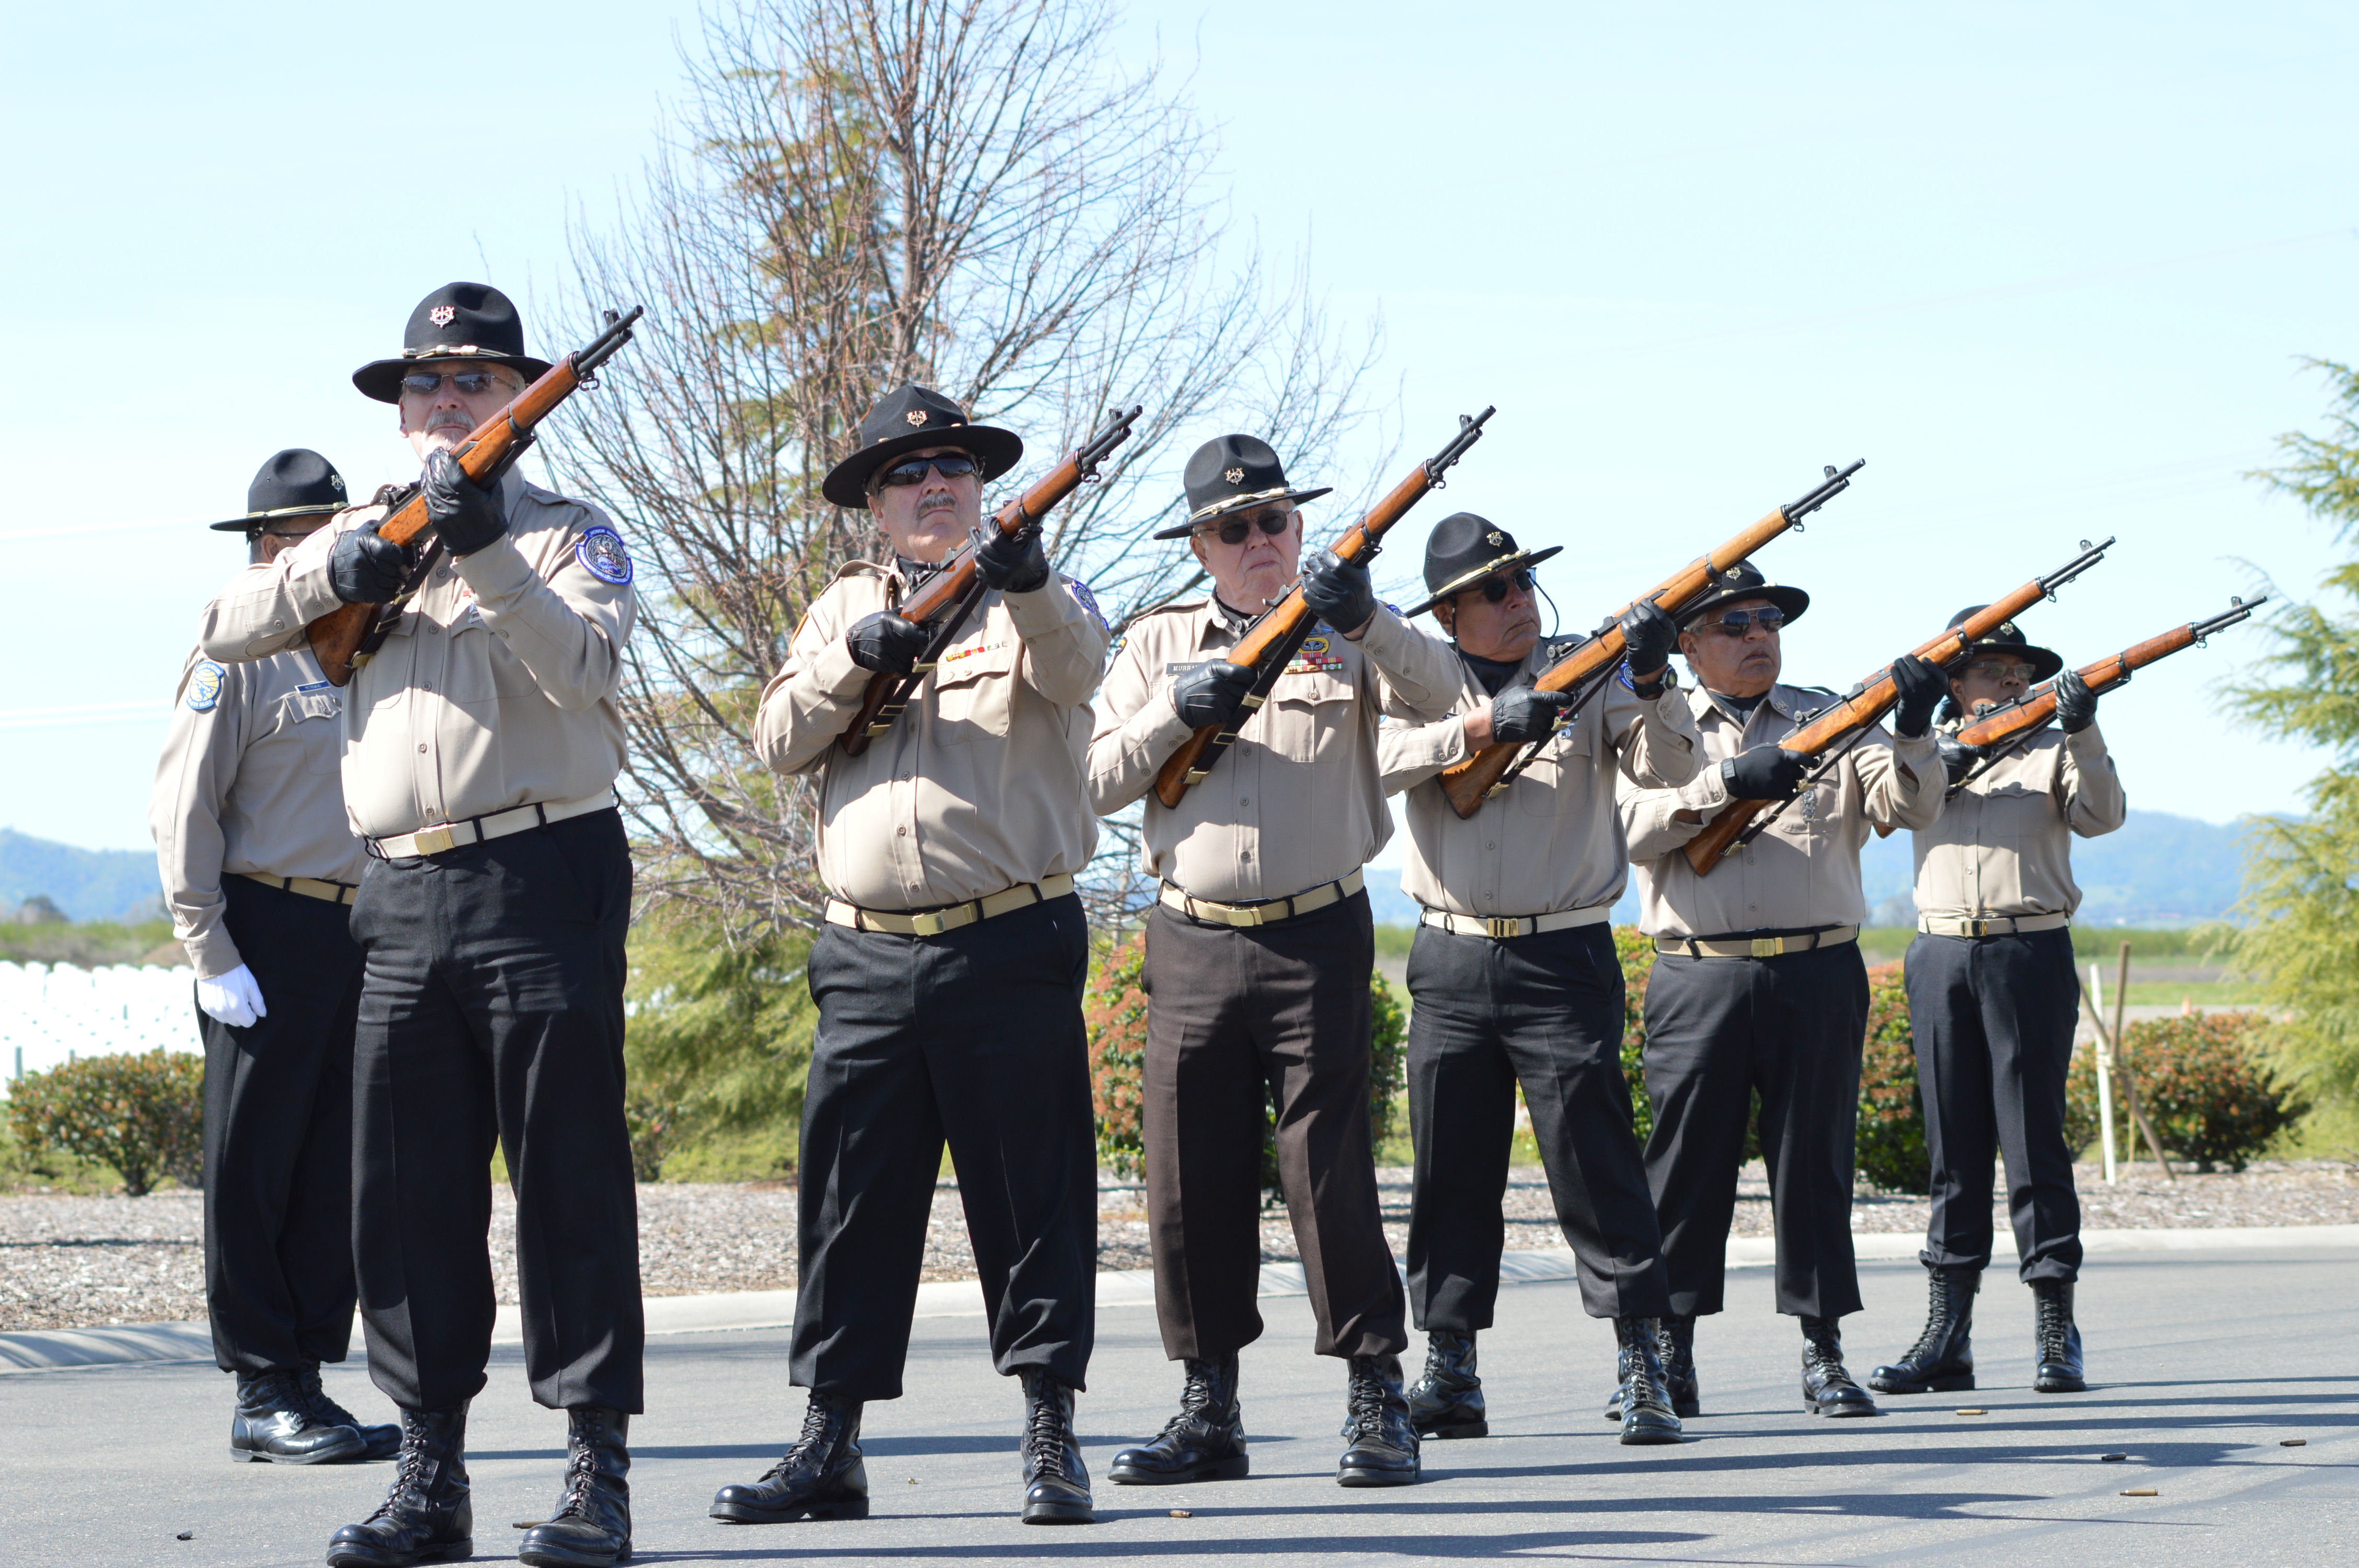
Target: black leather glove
[[1922, 686], [364, 568], [2076, 705], [467, 515], [886, 643], [1763, 773], [1958, 760], [1012, 563], [1648, 638], [1209, 695], [1523, 713], [1339, 592]]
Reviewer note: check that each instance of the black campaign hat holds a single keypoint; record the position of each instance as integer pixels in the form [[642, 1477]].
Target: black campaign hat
[[1231, 473], [2009, 638], [457, 321], [296, 483], [1463, 549], [905, 419], [1744, 580]]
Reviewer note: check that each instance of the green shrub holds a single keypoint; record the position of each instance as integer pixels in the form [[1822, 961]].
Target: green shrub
[[1891, 1139], [1113, 1009], [2204, 1081], [717, 1047], [144, 1114]]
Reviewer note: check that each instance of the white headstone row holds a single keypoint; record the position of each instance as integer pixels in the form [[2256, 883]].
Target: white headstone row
[[50, 1013]]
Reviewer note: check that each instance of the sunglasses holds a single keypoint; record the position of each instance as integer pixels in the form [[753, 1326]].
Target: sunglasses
[[2001, 669], [1495, 590], [470, 381], [1238, 530], [949, 465], [1737, 622]]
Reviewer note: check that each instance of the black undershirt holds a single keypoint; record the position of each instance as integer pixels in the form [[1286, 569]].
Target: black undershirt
[[1742, 706], [1495, 674]]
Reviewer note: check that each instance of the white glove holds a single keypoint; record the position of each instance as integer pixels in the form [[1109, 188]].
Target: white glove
[[234, 999]]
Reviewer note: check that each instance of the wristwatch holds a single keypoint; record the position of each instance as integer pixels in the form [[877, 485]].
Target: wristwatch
[[1665, 681]]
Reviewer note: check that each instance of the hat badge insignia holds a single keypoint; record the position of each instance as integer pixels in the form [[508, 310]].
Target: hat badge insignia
[[1235, 476], [914, 415], [2007, 628], [1494, 539], [336, 483], [443, 315]]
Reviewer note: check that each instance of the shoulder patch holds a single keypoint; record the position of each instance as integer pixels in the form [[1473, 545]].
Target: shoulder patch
[[1089, 601], [601, 553], [205, 685]]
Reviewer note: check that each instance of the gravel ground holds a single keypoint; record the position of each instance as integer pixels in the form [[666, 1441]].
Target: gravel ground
[[82, 1262]]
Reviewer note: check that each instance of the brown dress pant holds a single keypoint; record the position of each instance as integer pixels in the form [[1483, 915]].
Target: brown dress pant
[[1235, 1016]]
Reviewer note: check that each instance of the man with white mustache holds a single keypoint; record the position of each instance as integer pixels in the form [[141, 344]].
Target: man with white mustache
[[482, 741], [1515, 975]]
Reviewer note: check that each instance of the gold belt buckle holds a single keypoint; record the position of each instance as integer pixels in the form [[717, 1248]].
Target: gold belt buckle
[[434, 840], [1501, 927], [1769, 947], [1976, 926]]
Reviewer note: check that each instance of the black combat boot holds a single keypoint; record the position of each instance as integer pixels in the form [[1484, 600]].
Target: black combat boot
[[383, 1441], [592, 1526], [1380, 1446], [1942, 1361], [1447, 1401], [275, 1421], [2058, 1337], [1646, 1408], [1056, 1482], [1675, 1354], [427, 1515], [821, 1477], [1827, 1389], [1205, 1442]]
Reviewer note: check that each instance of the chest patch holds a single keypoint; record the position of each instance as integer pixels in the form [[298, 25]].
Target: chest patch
[[1317, 654], [600, 551], [205, 685]]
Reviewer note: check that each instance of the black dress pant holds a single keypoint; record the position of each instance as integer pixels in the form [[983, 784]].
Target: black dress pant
[[1544, 1009], [278, 1138], [1718, 1030], [1994, 1018], [1233, 1015], [492, 1013], [973, 1037]]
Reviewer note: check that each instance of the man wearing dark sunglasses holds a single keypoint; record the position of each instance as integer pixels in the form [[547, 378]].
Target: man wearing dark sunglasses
[[482, 741], [1993, 1003], [1757, 985], [1514, 973], [947, 972], [1259, 957], [259, 865]]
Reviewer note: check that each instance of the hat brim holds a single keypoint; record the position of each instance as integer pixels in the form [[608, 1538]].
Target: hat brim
[[254, 522], [381, 379], [1792, 601], [1466, 580], [1242, 504], [847, 483], [2045, 662]]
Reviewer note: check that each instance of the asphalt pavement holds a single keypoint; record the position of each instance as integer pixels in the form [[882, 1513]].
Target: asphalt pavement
[[2206, 1366]]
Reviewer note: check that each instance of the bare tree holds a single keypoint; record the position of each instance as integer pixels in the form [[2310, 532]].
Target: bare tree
[[967, 193]]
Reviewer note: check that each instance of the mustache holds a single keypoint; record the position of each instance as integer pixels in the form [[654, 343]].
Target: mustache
[[934, 501], [449, 420]]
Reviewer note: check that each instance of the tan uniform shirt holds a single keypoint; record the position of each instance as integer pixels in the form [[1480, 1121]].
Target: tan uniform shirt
[[1804, 872], [977, 786], [496, 690], [1552, 841], [1298, 800], [247, 784], [2004, 845]]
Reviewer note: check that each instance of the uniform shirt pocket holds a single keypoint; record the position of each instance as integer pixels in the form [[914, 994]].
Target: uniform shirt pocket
[[1308, 716], [974, 692], [1564, 763]]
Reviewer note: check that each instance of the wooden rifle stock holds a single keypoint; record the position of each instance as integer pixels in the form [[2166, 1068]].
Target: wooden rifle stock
[[1872, 698], [951, 595], [2012, 721], [344, 638], [1271, 641], [1471, 783]]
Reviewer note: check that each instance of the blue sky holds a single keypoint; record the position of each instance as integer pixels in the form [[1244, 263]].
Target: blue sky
[[2049, 270]]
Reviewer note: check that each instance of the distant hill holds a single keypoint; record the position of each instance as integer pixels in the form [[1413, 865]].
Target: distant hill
[[88, 884], [2157, 870]]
